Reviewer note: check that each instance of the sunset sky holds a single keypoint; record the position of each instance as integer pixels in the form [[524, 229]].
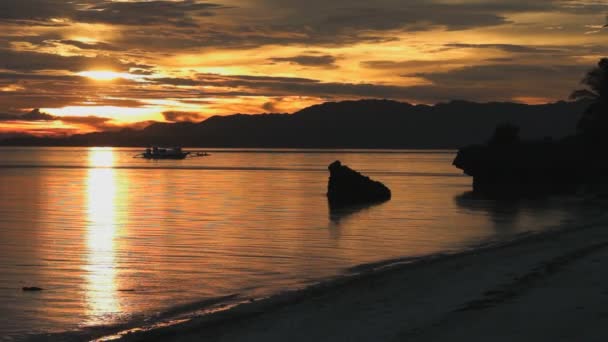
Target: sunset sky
[[102, 64]]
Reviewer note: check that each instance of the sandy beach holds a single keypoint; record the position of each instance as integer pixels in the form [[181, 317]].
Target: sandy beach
[[547, 287]]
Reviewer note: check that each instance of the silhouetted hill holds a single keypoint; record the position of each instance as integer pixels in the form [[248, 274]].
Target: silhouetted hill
[[348, 124]]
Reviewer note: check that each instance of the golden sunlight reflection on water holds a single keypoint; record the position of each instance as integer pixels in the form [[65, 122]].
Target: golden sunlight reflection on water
[[100, 269], [114, 239]]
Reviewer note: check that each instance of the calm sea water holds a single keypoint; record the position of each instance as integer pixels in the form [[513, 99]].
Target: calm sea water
[[114, 239]]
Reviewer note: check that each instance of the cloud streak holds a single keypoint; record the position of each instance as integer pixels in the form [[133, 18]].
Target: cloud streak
[[34, 115], [177, 116], [324, 61]]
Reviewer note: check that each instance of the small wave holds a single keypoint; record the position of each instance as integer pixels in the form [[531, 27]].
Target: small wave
[[169, 317]]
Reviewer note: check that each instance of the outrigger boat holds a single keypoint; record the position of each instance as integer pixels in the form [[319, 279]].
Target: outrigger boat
[[169, 153]]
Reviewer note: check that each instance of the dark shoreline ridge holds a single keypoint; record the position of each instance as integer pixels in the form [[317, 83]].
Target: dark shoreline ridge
[[508, 167], [371, 124]]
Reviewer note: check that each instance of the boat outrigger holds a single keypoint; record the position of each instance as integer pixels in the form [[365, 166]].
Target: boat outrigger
[[169, 153]]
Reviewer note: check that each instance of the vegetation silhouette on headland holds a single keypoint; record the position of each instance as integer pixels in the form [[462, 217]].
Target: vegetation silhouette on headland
[[507, 166]]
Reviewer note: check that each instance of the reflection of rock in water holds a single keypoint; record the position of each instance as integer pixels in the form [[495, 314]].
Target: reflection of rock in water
[[503, 213], [508, 216], [338, 216]]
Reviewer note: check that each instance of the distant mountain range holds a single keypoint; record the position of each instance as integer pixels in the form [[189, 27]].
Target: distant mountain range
[[348, 124]]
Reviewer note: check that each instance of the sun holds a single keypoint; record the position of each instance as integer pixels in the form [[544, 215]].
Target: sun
[[105, 75]]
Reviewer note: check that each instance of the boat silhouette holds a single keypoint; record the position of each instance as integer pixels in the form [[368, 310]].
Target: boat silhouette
[[177, 153]]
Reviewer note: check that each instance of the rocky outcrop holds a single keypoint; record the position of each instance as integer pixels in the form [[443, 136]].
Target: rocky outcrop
[[349, 187], [509, 166], [532, 169]]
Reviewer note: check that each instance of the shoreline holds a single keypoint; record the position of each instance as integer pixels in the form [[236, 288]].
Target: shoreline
[[278, 317]]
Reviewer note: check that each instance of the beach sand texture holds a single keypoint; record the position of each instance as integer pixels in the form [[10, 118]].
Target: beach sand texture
[[548, 287]]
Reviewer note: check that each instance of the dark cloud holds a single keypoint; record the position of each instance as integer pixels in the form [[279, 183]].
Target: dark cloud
[[390, 65], [175, 81], [101, 123], [88, 46], [338, 22], [504, 47], [164, 12], [326, 61], [179, 116], [260, 78], [17, 102], [346, 21], [52, 39], [225, 81], [246, 85], [98, 123], [270, 106], [34, 10], [55, 91], [187, 24], [90, 121], [17, 76], [516, 55], [176, 13], [495, 82], [500, 60], [501, 82], [409, 17], [94, 122], [142, 72], [26, 61], [491, 82], [507, 74], [34, 115]]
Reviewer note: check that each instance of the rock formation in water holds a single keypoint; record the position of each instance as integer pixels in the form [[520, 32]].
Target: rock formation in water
[[524, 169], [349, 187]]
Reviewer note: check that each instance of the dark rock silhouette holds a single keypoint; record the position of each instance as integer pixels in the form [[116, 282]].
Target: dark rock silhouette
[[526, 169], [347, 187], [509, 167], [31, 288]]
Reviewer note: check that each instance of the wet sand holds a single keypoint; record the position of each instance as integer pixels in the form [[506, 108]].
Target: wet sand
[[548, 287]]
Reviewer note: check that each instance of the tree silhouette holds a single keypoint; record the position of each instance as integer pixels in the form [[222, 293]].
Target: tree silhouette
[[505, 134], [594, 121]]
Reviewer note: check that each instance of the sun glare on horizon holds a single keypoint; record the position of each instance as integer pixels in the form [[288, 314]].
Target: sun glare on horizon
[[106, 75]]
